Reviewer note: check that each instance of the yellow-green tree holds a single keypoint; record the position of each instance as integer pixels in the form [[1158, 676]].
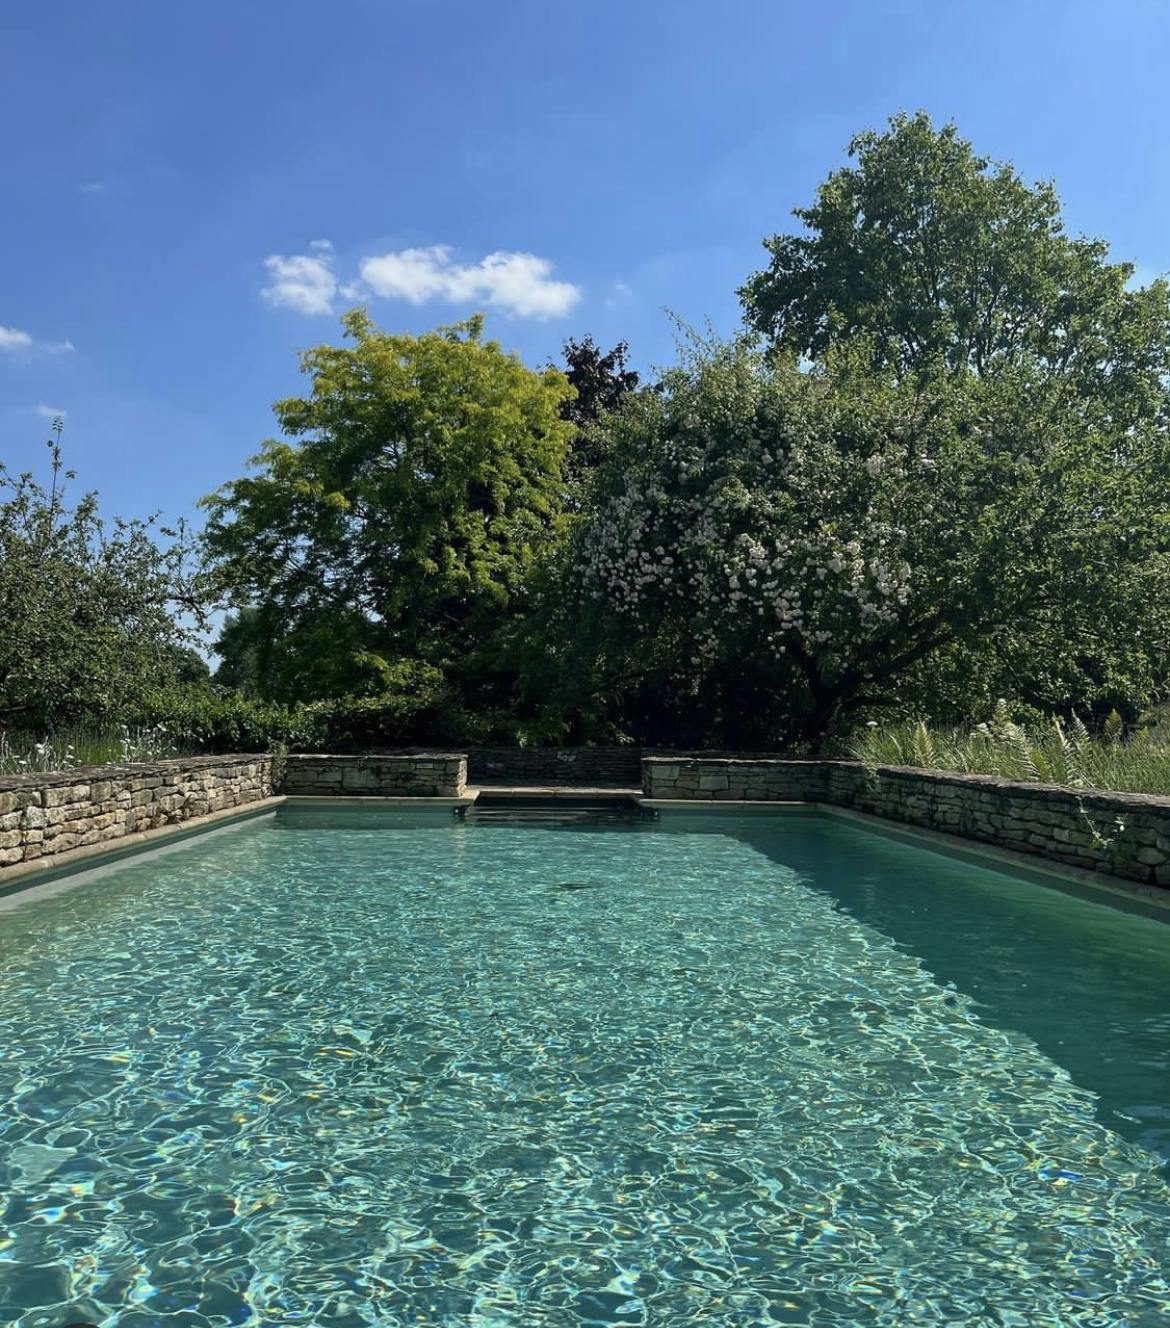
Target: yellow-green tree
[[392, 531]]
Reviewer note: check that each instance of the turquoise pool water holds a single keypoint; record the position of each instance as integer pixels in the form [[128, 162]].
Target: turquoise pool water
[[355, 1071]]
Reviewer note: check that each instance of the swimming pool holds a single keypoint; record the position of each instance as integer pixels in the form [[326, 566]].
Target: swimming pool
[[342, 1069]]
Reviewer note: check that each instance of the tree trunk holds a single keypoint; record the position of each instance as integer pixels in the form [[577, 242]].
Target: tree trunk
[[817, 725]]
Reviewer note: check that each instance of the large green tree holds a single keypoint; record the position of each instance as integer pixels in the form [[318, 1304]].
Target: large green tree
[[778, 547], [90, 610], [386, 540], [939, 257]]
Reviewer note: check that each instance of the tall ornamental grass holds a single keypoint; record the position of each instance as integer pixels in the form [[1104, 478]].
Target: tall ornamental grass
[[68, 748], [1060, 752]]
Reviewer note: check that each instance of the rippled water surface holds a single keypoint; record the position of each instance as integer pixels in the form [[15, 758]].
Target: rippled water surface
[[392, 1071]]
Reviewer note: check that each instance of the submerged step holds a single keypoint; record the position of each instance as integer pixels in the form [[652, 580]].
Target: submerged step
[[553, 804]]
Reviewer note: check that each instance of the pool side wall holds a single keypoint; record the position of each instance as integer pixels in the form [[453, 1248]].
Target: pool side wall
[[44, 815], [1123, 834]]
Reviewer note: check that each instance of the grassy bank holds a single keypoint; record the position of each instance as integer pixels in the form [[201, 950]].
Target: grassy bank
[[67, 748], [1059, 752]]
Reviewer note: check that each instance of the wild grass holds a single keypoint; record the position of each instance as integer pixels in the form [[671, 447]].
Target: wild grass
[[1061, 752], [67, 749]]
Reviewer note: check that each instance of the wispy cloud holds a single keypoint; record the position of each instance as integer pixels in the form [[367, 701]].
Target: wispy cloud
[[619, 295], [91, 187], [15, 340], [49, 412], [519, 284], [304, 282]]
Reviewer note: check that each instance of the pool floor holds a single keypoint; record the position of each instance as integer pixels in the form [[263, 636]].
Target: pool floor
[[348, 1069]]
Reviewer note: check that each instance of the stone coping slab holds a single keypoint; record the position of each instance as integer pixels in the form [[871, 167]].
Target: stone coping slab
[[727, 806], [92, 774], [576, 793], [951, 778], [376, 800], [374, 758]]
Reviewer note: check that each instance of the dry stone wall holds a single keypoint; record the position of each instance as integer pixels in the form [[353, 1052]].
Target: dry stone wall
[[734, 778], [408, 775], [583, 767], [1125, 834], [42, 815]]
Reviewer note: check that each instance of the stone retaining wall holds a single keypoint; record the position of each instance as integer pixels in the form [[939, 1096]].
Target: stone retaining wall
[[408, 775], [45, 814], [734, 778], [585, 767], [1126, 834]]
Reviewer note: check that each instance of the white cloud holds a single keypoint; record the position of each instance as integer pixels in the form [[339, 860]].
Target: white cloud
[[12, 338], [304, 282], [49, 412], [15, 340], [91, 187], [514, 283]]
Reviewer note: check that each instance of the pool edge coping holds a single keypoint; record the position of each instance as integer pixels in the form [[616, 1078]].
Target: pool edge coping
[[378, 800]]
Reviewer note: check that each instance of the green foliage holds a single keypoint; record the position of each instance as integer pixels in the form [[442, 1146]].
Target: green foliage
[[397, 529], [939, 257], [202, 719], [210, 719], [942, 476], [774, 548], [948, 477], [1057, 752], [86, 606], [600, 382], [599, 379]]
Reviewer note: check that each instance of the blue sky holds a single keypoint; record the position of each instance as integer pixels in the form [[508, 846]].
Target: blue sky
[[192, 191]]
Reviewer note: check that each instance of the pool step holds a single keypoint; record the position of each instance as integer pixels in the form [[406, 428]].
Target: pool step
[[560, 804]]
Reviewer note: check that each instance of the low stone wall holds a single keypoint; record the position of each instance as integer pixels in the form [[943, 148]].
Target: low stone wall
[[44, 815], [734, 778], [585, 767], [404, 775], [1126, 834]]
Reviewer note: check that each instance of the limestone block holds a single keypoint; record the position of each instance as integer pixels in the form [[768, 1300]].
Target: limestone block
[[66, 793]]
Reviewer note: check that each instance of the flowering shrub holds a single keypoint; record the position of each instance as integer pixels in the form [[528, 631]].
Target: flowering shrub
[[817, 533]]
